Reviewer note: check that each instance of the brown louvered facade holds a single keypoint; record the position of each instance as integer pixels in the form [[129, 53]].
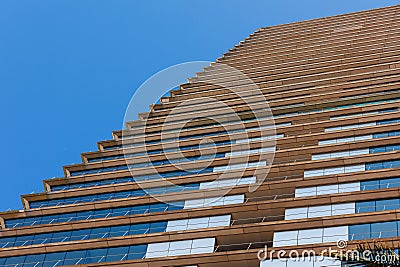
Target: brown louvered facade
[[333, 86]]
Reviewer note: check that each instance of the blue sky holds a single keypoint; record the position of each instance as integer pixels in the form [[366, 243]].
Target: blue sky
[[68, 68]]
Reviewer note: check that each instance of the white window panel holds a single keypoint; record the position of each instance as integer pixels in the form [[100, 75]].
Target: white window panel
[[334, 170], [268, 137], [359, 152], [299, 263], [155, 250], [306, 192], [310, 236], [201, 246], [240, 153], [354, 168], [296, 213], [220, 168], [347, 127], [319, 211], [178, 248], [210, 202], [287, 238], [208, 185], [214, 201], [227, 182], [363, 137], [341, 209], [328, 262], [320, 156], [262, 127], [313, 173], [218, 221], [268, 149], [197, 223], [273, 263], [340, 154], [250, 152], [349, 187], [327, 189], [239, 166], [302, 262], [351, 126], [177, 225], [194, 203], [247, 180], [333, 118], [230, 182], [331, 129], [327, 142], [345, 140], [235, 199], [257, 164], [218, 183], [368, 124], [334, 234]]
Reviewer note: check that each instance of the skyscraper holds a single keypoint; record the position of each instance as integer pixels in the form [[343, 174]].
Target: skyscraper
[[290, 141]]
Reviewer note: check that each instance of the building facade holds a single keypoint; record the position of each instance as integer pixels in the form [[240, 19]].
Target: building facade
[[322, 172]]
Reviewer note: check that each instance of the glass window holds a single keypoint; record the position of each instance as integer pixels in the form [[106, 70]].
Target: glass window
[[387, 204], [377, 150], [119, 231], [120, 212], [54, 259], [327, 189], [139, 229], [365, 206], [383, 230], [75, 257], [306, 191], [370, 185], [380, 135], [359, 232], [15, 261], [319, 211], [137, 252], [180, 248], [34, 260], [390, 183], [95, 255], [310, 236], [344, 208], [78, 235], [117, 254], [296, 213], [157, 227], [349, 187], [42, 238], [373, 166], [96, 233], [23, 240], [334, 234], [61, 237], [7, 242], [287, 238]]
